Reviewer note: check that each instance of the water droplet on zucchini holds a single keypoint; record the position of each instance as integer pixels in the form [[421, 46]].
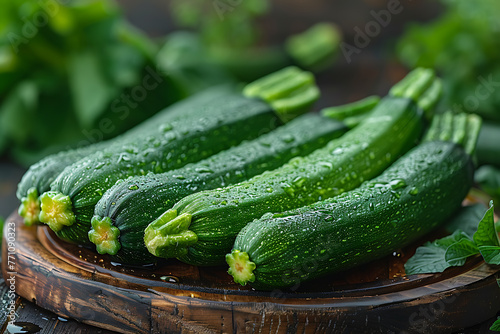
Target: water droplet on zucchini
[[166, 127], [398, 184], [288, 138]]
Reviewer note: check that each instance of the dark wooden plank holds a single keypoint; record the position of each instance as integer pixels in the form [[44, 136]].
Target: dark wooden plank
[[33, 319]]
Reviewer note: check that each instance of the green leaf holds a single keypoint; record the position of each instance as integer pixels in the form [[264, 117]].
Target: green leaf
[[457, 253], [445, 43], [496, 326], [17, 112], [491, 254], [466, 219], [89, 87], [486, 234], [123, 65], [486, 237], [431, 257], [428, 258]]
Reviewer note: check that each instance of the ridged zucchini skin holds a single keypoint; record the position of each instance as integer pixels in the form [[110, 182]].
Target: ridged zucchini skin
[[216, 216], [409, 199], [132, 204], [40, 175], [202, 130]]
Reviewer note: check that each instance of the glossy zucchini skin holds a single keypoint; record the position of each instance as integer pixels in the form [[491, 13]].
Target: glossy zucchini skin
[[40, 175], [409, 199], [211, 219], [202, 130], [132, 204]]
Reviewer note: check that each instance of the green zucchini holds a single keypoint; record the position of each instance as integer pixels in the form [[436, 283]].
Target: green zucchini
[[409, 199], [201, 131], [488, 150], [40, 175], [125, 210], [200, 228]]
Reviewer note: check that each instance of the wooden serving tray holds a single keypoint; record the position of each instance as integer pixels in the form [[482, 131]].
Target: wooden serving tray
[[173, 297]]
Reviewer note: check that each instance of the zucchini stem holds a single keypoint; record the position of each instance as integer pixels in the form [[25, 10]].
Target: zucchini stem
[[431, 97], [56, 210], [315, 48], [30, 207], [352, 113], [290, 91], [240, 267], [104, 235], [422, 86], [461, 128], [422, 82], [474, 124], [168, 236]]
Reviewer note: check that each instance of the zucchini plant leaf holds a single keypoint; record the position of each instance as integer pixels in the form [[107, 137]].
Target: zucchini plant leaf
[[18, 111], [431, 257], [123, 65], [486, 237], [496, 326], [457, 253], [491, 254], [486, 234], [454, 249], [90, 88], [428, 258]]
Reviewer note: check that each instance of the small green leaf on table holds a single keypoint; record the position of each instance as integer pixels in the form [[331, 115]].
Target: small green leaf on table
[[457, 253], [431, 257]]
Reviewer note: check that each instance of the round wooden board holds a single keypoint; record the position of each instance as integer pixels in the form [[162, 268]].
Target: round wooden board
[[173, 297]]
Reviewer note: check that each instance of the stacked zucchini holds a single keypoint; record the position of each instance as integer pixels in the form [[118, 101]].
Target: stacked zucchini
[[252, 178], [409, 199]]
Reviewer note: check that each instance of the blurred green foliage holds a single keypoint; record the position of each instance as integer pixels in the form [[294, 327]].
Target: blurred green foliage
[[463, 45], [487, 178], [231, 38], [61, 69], [221, 23], [229, 34]]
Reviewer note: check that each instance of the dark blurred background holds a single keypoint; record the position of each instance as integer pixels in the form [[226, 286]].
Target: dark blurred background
[[372, 71]]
